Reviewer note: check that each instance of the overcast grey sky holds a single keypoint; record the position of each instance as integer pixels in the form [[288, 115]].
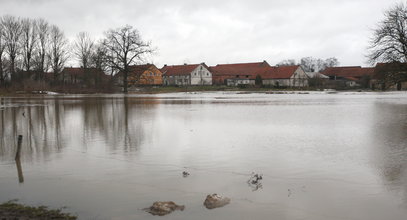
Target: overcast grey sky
[[223, 31]]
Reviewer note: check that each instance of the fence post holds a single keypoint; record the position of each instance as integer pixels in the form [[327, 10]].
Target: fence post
[[20, 140]]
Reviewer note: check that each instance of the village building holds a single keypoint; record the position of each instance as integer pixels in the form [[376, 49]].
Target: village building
[[187, 74], [350, 76], [236, 74], [391, 76], [82, 76], [141, 75], [284, 76]]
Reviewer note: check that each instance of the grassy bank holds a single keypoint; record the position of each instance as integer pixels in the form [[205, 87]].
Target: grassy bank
[[163, 89], [173, 89], [12, 210]]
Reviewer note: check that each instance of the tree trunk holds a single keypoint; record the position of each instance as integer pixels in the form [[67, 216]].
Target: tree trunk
[[125, 83]]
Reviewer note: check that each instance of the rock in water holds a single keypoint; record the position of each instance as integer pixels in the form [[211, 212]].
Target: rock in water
[[215, 201], [185, 174], [164, 208]]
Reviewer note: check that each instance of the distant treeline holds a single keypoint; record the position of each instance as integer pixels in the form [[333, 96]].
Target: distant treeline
[[37, 50]]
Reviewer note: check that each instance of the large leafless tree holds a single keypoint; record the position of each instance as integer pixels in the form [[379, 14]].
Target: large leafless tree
[[28, 41], [389, 45], [125, 47], [389, 40], [58, 53], [11, 34], [84, 47]]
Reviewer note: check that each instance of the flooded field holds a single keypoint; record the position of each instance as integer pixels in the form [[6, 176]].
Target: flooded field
[[321, 156]]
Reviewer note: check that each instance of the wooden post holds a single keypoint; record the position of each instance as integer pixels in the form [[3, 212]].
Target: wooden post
[[18, 162], [19, 171], [20, 140]]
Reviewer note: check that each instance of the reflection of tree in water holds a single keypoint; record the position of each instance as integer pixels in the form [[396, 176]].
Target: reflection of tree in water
[[43, 122], [37, 120], [390, 140], [119, 121]]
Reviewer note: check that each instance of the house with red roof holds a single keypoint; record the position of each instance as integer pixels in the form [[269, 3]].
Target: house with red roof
[[390, 76], [284, 76], [236, 74], [141, 75], [351, 75], [79, 75], [187, 74]]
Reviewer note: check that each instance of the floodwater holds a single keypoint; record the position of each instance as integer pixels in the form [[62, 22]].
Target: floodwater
[[322, 156]]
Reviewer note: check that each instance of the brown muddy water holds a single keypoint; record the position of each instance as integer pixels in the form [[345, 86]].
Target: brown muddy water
[[322, 156]]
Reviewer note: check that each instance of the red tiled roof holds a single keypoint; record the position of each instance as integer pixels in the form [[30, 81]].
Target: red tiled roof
[[178, 69], [277, 72], [350, 71], [238, 68]]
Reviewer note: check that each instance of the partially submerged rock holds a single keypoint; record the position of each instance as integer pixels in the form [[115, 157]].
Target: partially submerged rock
[[215, 201], [255, 181], [164, 208], [185, 174]]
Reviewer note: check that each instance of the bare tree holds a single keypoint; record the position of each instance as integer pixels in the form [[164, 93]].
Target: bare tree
[[125, 47], [2, 53], [310, 64], [389, 45], [84, 48], [11, 35], [28, 41], [289, 62], [389, 41], [40, 59], [98, 58], [58, 53], [330, 62]]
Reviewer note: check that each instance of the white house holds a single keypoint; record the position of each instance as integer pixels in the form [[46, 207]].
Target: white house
[[181, 75], [285, 76]]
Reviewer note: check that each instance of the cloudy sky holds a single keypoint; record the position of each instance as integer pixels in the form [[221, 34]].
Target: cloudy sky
[[223, 31]]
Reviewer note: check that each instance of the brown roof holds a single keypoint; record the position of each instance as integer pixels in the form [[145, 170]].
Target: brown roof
[[179, 69], [349, 71], [137, 69], [238, 68]]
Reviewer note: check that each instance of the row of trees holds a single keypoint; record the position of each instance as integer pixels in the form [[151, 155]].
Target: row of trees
[[34, 46], [30, 45], [311, 64]]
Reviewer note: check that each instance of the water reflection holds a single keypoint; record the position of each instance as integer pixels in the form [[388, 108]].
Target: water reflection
[[49, 125], [390, 145]]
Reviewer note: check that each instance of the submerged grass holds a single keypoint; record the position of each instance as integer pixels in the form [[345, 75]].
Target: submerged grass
[[12, 210]]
